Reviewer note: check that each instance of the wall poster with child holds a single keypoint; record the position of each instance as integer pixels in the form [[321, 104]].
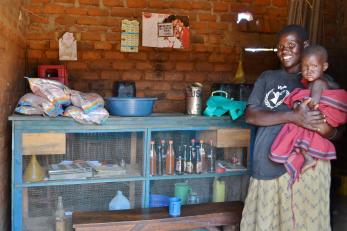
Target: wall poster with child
[[165, 30]]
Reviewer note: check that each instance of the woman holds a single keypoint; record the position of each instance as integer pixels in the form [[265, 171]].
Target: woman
[[270, 203]]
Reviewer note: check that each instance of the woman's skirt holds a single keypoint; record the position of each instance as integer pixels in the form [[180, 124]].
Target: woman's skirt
[[271, 205]]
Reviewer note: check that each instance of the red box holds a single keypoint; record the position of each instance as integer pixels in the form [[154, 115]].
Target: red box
[[53, 72]]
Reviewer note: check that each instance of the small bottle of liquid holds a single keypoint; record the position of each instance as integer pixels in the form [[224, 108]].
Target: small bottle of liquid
[[153, 161], [170, 159], [211, 159], [60, 219], [203, 156], [179, 162], [198, 164], [193, 150], [185, 156], [189, 162], [160, 161], [163, 156]]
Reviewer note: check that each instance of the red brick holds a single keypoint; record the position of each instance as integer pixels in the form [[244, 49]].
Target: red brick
[[204, 66], [142, 85], [91, 55], [38, 19], [143, 66], [39, 1], [179, 56], [123, 65], [159, 4], [164, 66], [279, 3], [217, 58], [207, 17], [38, 45], [195, 77], [132, 75], [158, 56], [88, 21], [183, 66], [113, 2], [113, 55], [111, 75], [65, 20], [76, 10], [100, 64], [157, 75], [98, 12], [220, 7], [201, 5], [103, 46], [65, 1], [40, 36], [90, 36], [52, 54], [238, 7], [223, 67], [122, 12], [89, 2], [175, 95], [76, 65], [162, 86], [34, 9], [182, 4], [137, 3], [53, 9], [35, 54], [137, 56], [216, 77], [262, 2], [173, 76]]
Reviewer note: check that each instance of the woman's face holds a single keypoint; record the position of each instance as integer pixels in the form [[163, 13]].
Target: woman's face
[[289, 49]]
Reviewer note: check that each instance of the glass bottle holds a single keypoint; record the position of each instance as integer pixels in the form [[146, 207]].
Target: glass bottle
[[153, 161], [179, 162], [60, 219], [160, 161], [170, 159], [211, 159], [185, 156], [189, 162], [203, 156], [163, 156], [198, 163]]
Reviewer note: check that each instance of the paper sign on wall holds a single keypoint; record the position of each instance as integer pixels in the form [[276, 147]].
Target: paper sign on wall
[[130, 36], [67, 47], [165, 30]]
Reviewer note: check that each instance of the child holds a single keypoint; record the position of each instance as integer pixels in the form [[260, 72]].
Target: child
[[297, 147]]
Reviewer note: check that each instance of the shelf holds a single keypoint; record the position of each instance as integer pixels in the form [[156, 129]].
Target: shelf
[[81, 181], [238, 172]]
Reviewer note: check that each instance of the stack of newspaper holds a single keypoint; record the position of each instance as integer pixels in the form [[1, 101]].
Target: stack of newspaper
[[70, 170], [108, 170]]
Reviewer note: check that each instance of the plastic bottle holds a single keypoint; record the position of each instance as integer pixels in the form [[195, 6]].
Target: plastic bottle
[[218, 190], [153, 161], [119, 202], [60, 219], [170, 159]]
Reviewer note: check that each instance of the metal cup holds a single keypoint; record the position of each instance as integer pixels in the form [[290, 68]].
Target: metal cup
[[194, 99]]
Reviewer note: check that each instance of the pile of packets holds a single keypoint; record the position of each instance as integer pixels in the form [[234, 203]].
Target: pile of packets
[[52, 98]]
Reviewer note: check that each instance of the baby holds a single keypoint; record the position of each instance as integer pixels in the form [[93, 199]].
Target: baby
[[296, 147]]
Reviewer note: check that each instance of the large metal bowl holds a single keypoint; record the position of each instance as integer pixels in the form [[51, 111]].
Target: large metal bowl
[[130, 106]]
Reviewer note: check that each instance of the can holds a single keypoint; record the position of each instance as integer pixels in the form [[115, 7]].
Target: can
[[194, 99], [174, 206]]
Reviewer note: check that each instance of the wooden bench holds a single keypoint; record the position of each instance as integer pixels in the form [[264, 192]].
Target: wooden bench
[[207, 215]]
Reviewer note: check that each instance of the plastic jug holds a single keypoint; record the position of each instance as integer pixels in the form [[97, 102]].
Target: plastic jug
[[119, 202], [218, 190], [181, 191]]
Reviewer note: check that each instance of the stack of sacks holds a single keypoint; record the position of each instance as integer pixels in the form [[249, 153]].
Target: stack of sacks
[[51, 97]]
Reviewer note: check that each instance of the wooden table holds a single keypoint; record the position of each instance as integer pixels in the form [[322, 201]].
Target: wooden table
[[208, 215]]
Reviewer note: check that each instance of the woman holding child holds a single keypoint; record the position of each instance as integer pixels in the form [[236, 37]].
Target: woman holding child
[[270, 203]]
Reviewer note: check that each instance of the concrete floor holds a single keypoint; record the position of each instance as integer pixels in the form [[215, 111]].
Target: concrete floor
[[339, 213]]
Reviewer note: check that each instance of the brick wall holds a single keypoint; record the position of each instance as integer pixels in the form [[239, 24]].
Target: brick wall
[[12, 50], [216, 43]]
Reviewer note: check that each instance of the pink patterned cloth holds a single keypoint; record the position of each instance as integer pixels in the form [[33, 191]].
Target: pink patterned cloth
[[292, 139]]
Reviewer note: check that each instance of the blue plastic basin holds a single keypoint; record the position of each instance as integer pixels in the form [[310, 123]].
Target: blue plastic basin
[[130, 106]]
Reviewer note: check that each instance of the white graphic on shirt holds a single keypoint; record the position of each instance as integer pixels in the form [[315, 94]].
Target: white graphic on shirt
[[275, 97]]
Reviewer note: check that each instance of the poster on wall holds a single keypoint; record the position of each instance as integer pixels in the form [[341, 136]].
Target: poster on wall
[[165, 30], [130, 36], [67, 47]]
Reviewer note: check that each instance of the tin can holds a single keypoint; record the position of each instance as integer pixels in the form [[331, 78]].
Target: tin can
[[174, 206], [194, 99]]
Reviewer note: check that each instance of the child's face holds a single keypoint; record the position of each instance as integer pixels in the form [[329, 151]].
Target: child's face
[[313, 67]]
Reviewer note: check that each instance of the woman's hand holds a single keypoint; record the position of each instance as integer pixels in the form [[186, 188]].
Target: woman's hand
[[310, 119]]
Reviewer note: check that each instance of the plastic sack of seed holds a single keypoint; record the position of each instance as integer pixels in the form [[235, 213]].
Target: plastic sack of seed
[[87, 101], [30, 104], [97, 116], [54, 91]]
